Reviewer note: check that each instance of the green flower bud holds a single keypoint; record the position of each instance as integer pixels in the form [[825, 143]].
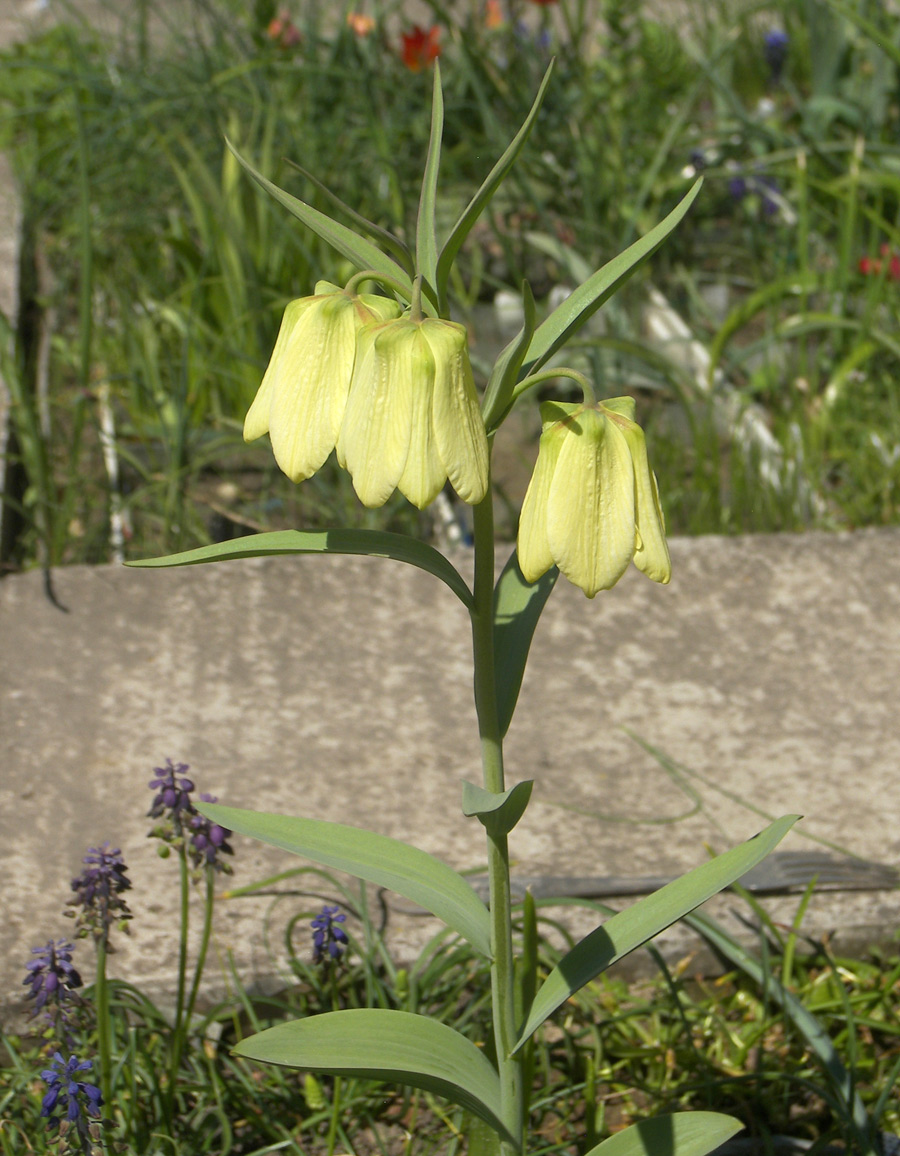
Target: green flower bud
[[412, 418], [301, 400], [592, 505]]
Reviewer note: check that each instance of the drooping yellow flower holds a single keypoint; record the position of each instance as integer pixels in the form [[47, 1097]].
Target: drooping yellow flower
[[592, 505], [301, 400], [412, 418]]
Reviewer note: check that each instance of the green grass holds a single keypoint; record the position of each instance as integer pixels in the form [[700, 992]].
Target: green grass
[[168, 271], [616, 1053]]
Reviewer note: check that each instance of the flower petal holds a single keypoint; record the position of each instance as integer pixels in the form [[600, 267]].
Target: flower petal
[[311, 386], [256, 423], [651, 551], [373, 443], [532, 543], [424, 474], [458, 424]]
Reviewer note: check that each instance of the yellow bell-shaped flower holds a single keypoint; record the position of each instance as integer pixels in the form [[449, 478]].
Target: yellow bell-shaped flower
[[592, 505], [412, 418], [301, 400]]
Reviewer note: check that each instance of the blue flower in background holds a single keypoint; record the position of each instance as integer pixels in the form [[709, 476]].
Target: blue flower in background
[[70, 1099], [209, 841], [52, 975], [775, 49], [173, 791], [327, 937], [98, 891]]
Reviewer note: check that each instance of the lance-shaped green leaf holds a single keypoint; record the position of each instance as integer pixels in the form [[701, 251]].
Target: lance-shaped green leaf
[[630, 928], [482, 198], [396, 1046], [376, 858], [388, 240], [367, 543], [360, 252], [587, 298], [517, 610], [499, 390], [426, 242], [496, 810], [681, 1134]]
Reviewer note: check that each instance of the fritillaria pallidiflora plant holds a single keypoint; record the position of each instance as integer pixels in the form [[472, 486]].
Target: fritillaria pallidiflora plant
[[383, 378]]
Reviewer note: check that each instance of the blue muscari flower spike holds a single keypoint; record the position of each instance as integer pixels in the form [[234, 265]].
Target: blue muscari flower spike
[[327, 937], [70, 1099], [173, 792], [52, 975], [775, 48], [209, 841], [98, 891]]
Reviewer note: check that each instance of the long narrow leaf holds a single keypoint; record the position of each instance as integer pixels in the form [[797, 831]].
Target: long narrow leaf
[[517, 610], [396, 1046], [426, 243], [360, 252], [587, 298], [682, 1134], [386, 862], [391, 243], [368, 543], [482, 198], [630, 928]]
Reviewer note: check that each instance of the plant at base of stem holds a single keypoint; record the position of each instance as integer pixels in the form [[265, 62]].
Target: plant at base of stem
[[70, 1103], [98, 902], [209, 841], [53, 978], [97, 905], [329, 940], [202, 842]]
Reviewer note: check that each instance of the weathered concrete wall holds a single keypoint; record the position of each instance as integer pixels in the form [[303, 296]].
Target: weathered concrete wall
[[341, 689]]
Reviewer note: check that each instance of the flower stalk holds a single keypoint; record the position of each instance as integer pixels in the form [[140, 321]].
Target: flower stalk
[[502, 961]]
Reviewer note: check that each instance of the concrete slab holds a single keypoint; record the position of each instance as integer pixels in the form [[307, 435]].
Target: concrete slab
[[340, 689]]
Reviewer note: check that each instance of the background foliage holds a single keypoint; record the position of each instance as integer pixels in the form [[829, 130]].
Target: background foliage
[[760, 342]]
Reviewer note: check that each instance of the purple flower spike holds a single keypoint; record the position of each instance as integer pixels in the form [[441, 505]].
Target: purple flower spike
[[70, 1098], [327, 937], [52, 975], [173, 791], [209, 840], [775, 49], [98, 891]]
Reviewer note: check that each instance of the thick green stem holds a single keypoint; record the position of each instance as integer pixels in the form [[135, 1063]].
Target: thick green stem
[[502, 969]]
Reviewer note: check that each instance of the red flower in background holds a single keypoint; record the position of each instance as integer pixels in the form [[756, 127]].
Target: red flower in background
[[421, 48], [283, 31], [493, 14], [871, 266]]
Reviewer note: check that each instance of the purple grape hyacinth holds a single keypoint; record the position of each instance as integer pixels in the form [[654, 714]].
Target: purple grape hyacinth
[[98, 890], [327, 937], [775, 49], [69, 1101], [209, 840], [173, 795], [52, 975]]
